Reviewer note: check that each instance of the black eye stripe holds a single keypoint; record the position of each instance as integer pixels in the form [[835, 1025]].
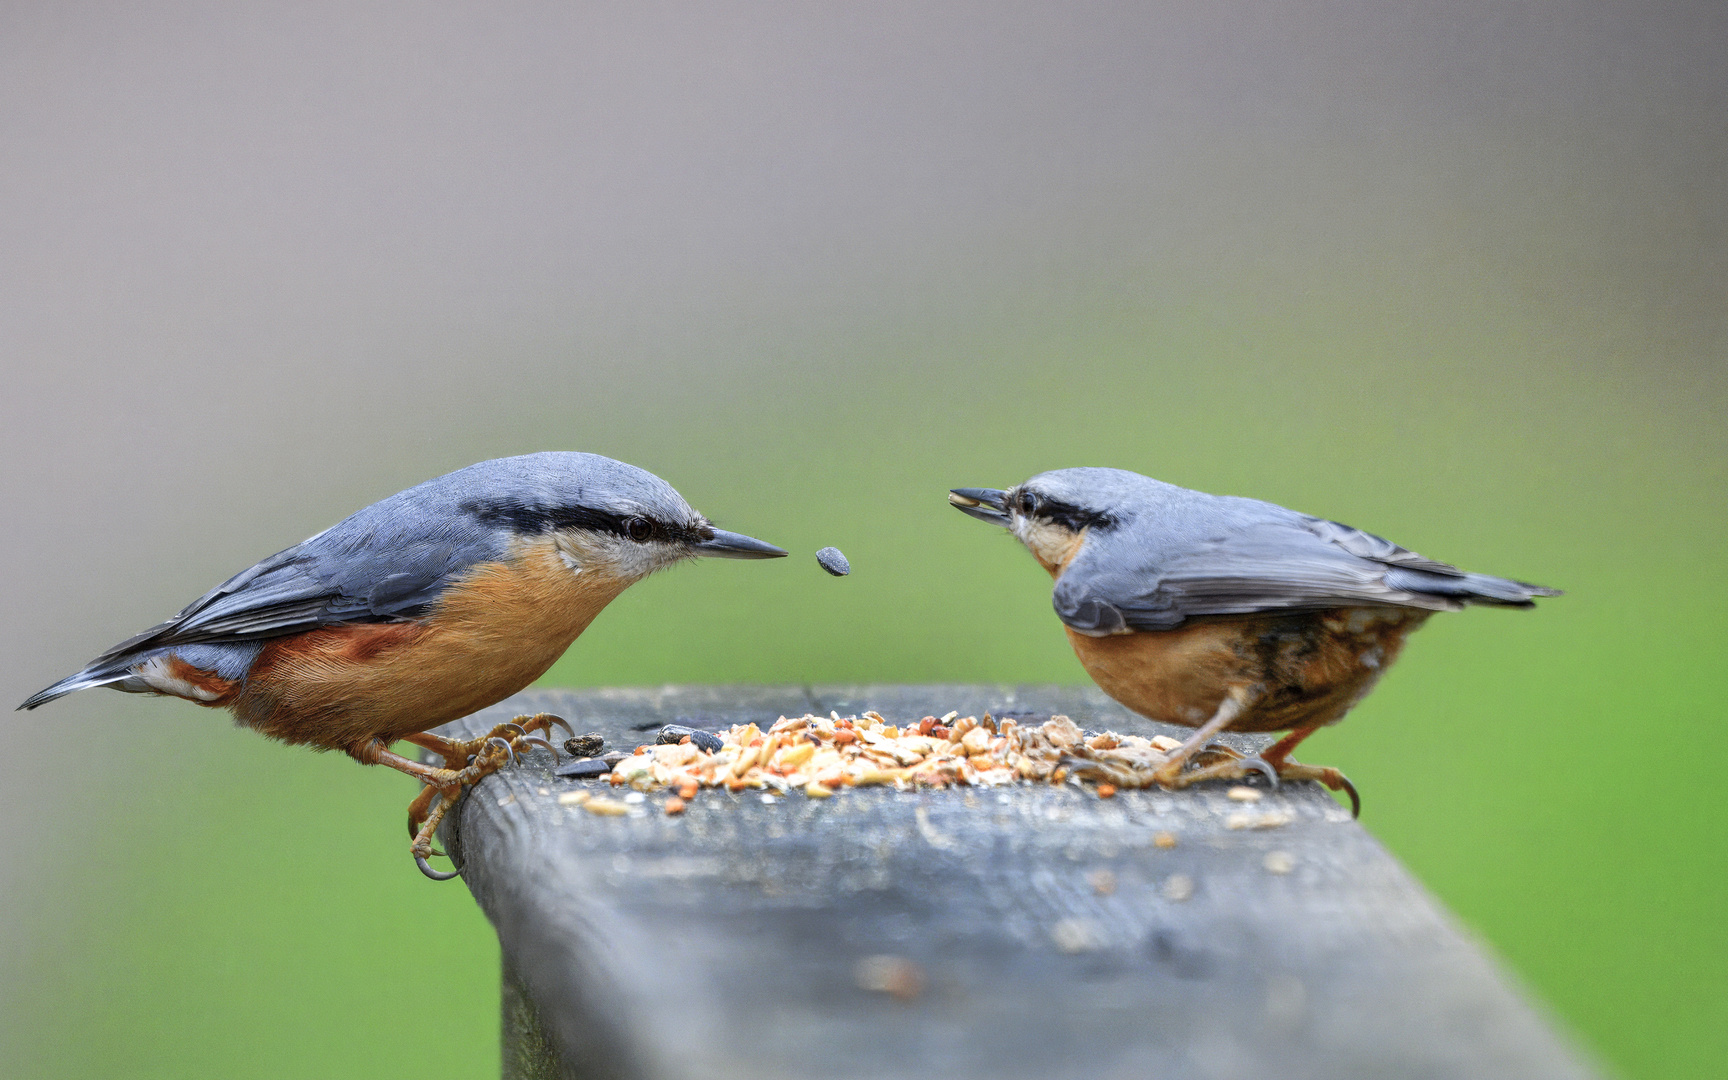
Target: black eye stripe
[[540, 519], [1066, 514]]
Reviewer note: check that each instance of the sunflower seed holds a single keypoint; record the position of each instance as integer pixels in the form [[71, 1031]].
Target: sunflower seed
[[830, 559]]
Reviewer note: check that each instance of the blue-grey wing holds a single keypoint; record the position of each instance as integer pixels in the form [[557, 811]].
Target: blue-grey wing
[[1288, 562], [376, 566]]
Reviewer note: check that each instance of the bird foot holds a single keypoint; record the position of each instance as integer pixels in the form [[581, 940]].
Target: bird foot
[[1238, 768], [516, 735], [466, 764]]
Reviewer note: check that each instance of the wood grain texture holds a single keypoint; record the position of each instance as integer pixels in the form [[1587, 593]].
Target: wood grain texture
[[722, 943]]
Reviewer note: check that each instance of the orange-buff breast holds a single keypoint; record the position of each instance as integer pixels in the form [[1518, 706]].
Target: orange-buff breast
[[487, 637]]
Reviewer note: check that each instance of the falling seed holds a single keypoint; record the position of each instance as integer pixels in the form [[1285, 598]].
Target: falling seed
[[1242, 793], [1103, 882], [830, 559], [1279, 862], [606, 807], [1178, 887], [574, 798], [674, 805], [1164, 840]]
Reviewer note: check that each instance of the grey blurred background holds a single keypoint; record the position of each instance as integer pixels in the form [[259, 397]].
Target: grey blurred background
[[1452, 271]]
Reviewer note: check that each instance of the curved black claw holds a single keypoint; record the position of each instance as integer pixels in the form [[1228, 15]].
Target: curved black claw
[[536, 740], [435, 875], [559, 720], [505, 743], [1355, 799], [1260, 764]]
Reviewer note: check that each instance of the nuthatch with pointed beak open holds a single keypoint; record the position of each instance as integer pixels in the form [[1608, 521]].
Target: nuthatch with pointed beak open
[[1226, 614], [422, 608]]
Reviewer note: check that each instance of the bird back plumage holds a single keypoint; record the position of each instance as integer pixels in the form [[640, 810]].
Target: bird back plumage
[[1168, 555]]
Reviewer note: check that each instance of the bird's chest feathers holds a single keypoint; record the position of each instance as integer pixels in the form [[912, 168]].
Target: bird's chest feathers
[[525, 610], [1053, 545]]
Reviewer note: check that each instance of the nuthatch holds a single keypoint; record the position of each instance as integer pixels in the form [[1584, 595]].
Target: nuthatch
[[427, 606], [1223, 613]]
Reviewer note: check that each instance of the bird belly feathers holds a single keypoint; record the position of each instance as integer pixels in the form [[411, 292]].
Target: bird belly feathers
[[1298, 670], [489, 635]]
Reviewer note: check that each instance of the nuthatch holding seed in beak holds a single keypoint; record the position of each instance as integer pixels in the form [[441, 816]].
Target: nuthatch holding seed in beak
[[1223, 613], [422, 608]]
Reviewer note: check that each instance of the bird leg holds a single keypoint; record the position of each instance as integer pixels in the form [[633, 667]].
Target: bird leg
[[1277, 758], [465, 763], [1169, 774], [422, 845], [443, 788]]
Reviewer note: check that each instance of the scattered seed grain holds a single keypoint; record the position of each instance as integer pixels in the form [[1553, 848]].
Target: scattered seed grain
[[886, 974], [588, 745]]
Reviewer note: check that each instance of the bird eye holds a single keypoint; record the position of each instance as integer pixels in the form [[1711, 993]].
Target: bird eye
[[1028, 503], [639, 529]]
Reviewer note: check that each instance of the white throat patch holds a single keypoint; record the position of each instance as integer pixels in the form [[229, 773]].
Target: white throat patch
[[610, 556], [1051, 544]]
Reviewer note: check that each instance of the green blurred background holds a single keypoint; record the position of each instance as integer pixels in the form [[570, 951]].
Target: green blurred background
[[1453, 273]]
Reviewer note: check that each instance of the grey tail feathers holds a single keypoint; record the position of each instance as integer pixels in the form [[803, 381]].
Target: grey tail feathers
[[1470, 588], [71, 684]]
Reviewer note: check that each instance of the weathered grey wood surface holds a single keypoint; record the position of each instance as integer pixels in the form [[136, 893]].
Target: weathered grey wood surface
[[723, 943]]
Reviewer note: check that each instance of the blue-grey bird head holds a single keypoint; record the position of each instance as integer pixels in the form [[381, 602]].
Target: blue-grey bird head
[[1052, 512], [602, 514]]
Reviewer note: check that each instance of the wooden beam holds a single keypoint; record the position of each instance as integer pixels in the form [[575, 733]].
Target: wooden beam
[[1028, 931]]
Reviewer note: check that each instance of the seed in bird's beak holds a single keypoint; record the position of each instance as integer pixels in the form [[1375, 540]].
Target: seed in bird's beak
[[830, 559]]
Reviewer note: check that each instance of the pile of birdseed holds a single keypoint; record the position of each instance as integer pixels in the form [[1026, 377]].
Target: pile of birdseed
[[818, 755]]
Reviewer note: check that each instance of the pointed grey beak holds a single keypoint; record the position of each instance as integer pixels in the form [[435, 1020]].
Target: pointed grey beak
[[985, 504], [731, 545]]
